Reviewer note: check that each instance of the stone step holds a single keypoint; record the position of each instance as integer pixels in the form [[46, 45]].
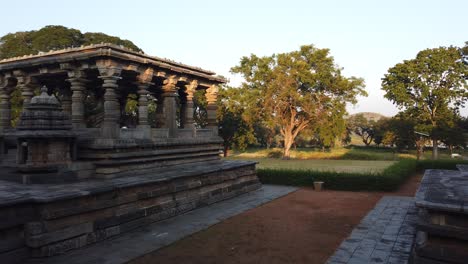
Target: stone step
[[443, 250], [143, 153]]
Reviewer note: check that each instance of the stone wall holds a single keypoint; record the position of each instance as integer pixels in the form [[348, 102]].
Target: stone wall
[[55, 227]]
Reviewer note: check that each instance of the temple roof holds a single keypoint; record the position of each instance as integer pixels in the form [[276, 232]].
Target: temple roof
[[103, 50]]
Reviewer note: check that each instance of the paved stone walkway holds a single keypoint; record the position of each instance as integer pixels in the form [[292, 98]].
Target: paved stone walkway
[[150, 238], [385, 235]]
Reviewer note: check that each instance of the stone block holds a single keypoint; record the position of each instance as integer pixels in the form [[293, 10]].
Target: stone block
[[16, 256], [63, 234], [12, 238]]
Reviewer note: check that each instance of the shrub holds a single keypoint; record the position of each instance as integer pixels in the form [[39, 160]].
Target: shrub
[[387, 180], [443, 164], [276, 154]]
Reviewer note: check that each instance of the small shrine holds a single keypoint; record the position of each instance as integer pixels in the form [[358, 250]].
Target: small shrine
[[44, 137]]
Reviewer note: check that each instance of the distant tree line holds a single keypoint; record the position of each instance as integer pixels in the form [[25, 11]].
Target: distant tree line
[[300, 97]]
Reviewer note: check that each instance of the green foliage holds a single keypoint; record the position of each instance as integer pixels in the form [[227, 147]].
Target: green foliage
[[443, 164], [430, 88], [96, 38], [298, 90], [53, 38], [16, 106], [234, 126], [362, 127], [199, 104], [388, 180]]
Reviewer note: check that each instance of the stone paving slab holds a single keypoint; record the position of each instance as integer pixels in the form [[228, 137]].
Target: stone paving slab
[[155, 236], [385, 235]]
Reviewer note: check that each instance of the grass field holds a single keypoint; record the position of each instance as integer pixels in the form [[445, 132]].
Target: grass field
[[351, 153], [356, 166]]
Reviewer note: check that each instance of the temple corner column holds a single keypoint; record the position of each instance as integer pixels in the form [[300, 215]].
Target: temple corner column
[[212, 98]]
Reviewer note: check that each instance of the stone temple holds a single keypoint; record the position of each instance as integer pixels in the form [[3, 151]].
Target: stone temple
[[75, 170]]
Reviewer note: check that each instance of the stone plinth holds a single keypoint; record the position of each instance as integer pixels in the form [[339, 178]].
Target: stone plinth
[[46, 220], [442, 228]]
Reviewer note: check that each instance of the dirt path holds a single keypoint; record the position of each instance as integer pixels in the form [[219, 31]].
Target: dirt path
[[303, 227]]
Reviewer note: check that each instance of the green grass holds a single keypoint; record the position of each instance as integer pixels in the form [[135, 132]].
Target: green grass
[[386, 180], [348, 153], [355, 166]]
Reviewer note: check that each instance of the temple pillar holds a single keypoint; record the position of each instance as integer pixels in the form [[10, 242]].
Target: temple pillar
[[110, 75], [66, 101], [144, 81], [212, 98], [187, 113], [170, 105], [143, 105], [27, 85], [160, 119], [5, 106], [76, 108]]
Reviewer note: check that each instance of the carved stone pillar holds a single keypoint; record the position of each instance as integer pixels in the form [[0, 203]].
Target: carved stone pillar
[[66, 100], [77, 109], [143, 105], [211, 98], [169, 103], [188, 121], [27, 84], [160, 119], [111, 124], [144, 81], [5, 106]]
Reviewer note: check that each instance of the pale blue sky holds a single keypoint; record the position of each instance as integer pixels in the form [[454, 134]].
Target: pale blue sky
[[365, 37]]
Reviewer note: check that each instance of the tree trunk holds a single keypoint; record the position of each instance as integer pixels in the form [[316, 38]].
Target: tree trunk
[[418, 153], [286, 152], [225, 150], [435, 149], [288, 141]]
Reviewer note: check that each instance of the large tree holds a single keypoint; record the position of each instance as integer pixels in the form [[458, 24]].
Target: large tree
[[362, 127], [428, 87], [53, 38], [297, 89]]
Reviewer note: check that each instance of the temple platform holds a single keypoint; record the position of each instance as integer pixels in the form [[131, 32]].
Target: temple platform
[[442, 229], [44, 220], [138, 245]]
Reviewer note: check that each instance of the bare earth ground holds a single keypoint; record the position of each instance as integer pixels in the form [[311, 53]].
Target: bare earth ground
[[303, 227]]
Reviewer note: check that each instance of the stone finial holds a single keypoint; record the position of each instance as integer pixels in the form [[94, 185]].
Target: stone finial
[[44, 90]]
